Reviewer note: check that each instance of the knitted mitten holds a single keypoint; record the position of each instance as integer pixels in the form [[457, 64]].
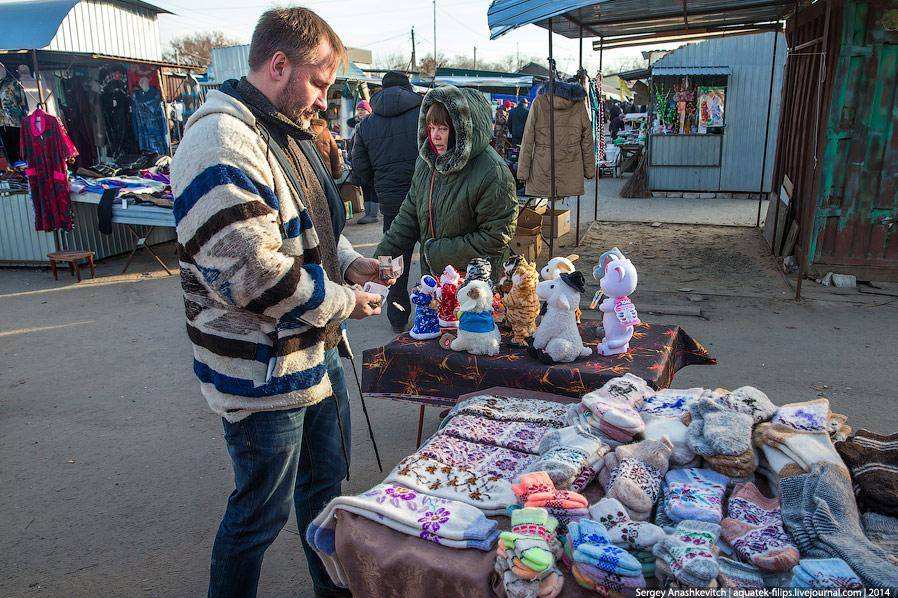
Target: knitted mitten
[[734, 466], [694, 494], [754, 527], [623, 531], [825, 574], [557, 499], [689, 552], [565, 452], [533, 482], [669, 402], [603, 581], [735, 574], [661, 426], [590, 544]]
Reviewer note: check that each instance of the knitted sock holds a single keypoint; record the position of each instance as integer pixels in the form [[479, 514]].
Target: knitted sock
[[751, 401], [873, 461], [557, 499], [531, 529], [734, 466], [588, 473], [565, 517], [565, 452], [804, 448], [614, 582], [585, 582], [883, 530], [529, 483], [754, 527], [636, 481], [589, 543], [689, 552], [622, 530], [717, 430], [694, 494], [669, 402], [821, 516], [735, 574], [662, 519], [825, 574], [628, 388]]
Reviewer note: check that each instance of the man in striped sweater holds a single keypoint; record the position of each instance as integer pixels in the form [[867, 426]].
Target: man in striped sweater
[[264, 270]]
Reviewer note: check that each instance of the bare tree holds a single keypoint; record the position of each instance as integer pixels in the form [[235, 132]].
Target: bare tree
[[394, 60], [196, 48]]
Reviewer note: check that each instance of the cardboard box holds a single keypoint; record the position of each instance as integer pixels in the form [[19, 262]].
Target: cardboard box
[[528, 246], [562, 223], [529, 223]]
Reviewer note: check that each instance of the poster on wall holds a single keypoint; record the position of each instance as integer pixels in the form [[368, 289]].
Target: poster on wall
[[711, 102]]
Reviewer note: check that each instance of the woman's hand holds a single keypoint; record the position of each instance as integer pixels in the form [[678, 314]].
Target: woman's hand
[[366, 269]]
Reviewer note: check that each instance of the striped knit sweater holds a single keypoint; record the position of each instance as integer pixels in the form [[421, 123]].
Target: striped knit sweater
[[255, 293]]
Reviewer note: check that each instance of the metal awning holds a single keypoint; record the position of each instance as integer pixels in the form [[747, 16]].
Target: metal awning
[[617, 20], [674, 71], [462, 81]]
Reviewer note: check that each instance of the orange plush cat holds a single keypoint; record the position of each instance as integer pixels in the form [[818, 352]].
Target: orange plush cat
[[522, 306]]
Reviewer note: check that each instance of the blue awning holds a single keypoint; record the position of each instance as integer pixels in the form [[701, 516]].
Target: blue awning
[[674, 71], [505, 15], [31, 25], [617, 20]]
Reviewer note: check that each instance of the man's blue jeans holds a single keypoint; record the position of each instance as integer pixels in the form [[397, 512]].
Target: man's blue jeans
[[280, 458]]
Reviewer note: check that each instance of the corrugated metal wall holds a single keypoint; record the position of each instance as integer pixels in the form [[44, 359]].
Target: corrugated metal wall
[[743, 161], [685, 162], [21, 244], [229, 63], [95, 26]]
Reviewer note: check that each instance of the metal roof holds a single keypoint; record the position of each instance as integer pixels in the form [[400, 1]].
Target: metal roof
[[622, 18], [666, 71], [32, 24]]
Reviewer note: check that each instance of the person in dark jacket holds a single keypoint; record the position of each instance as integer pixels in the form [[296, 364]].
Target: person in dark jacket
[[383, 155], [517, 118]]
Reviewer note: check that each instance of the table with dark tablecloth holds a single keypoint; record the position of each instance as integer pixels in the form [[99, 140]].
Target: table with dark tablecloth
[[423, 372]]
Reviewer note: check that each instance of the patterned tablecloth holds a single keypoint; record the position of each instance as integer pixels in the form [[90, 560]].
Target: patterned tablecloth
[[423, 372]]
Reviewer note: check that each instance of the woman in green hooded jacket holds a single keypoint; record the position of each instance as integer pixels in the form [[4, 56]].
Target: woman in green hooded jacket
[[461, 204]]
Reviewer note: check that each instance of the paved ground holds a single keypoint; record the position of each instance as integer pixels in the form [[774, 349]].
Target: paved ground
[[115, 474]]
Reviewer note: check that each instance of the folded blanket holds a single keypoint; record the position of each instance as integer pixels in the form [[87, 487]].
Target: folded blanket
[[445, 522]]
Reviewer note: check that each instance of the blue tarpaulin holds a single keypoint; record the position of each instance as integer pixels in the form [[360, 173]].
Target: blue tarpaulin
[[505, 15]]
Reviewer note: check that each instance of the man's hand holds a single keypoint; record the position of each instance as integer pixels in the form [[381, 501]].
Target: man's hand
[[366, 304], [366, 269]]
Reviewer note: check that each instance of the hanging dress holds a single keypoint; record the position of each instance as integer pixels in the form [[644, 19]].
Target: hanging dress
[[46, 146], [150, 124]]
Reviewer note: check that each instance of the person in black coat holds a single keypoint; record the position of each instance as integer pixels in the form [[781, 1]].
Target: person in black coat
[[384, 151], [517, 118]]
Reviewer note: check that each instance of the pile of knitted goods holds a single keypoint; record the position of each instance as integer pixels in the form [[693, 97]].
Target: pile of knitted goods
[[799, 436], [720, 428], [526, 555], [599, 564], [636, 537], [536, 490], [610, 413], [663, 413], [873, 461]]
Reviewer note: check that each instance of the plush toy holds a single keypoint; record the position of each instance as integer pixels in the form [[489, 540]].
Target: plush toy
[[617, 279], [521, 304], [479, 269], [477, 332], [427, 324], [558, 336], [508, 268], [449, 282], [554, 267]]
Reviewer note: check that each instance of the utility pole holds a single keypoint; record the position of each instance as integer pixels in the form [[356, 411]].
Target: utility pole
[[414, 59], [434, 38], [475, 58]]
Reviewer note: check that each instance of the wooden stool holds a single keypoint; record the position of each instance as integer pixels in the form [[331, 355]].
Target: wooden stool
[[72, 257]]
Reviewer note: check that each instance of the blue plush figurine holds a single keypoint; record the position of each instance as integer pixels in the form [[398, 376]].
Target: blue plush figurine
[[427, 324]]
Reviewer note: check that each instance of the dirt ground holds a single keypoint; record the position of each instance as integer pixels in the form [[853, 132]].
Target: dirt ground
[[114, 472]]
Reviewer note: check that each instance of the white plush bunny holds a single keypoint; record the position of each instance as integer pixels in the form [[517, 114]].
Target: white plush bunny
[[477, 332], [556, 266], [617, 278], [558, 334]]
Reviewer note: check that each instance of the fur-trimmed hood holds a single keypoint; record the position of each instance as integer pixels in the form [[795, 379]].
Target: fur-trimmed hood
[[470, 114], [568, 91]]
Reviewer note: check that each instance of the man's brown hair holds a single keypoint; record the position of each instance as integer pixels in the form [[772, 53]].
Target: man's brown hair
[[438, 115], [296, 32]]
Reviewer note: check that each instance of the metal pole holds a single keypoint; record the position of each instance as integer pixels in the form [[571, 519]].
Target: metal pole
[[808, 224], [434, 39], [550, 97], [767, 129], [579, 75], [601, 129], [414, 61]]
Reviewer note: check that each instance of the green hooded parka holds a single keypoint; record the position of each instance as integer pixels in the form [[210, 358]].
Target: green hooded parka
[[462, 204]]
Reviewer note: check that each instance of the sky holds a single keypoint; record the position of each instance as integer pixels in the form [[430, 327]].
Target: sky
[[384, 28]]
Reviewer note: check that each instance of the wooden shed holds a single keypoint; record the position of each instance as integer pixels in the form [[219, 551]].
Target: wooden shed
[[836, 174]]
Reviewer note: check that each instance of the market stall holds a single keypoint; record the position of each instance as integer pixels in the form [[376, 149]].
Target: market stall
[[92, 107]]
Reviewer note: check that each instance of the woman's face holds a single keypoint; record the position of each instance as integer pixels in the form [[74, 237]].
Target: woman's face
[[361, 113], [439, 137]]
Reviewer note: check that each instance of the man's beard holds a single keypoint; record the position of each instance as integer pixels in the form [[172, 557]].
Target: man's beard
[[289, 106]]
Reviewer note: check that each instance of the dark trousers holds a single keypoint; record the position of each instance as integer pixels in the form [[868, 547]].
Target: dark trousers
[[281, 459], [399, 291]]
